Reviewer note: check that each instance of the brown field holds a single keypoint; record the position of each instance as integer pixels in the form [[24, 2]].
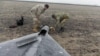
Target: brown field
[[80, 38]]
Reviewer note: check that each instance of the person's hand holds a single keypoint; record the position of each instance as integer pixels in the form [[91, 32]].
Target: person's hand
[[52, 29]]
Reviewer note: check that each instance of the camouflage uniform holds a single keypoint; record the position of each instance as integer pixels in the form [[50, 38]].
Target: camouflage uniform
[[36, 12], [61, 19]]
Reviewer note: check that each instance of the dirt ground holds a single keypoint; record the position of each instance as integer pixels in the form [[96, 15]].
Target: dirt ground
[[82, 31]]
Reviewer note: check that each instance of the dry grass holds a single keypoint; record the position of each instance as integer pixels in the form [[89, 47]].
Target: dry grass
[[80, 38]]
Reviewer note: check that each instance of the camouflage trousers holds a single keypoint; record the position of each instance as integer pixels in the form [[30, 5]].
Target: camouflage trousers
[[36, 22], [60, 26], [36, 25]]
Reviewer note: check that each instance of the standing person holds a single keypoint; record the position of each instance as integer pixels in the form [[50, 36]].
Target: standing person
[[61, 19], [36, 12]]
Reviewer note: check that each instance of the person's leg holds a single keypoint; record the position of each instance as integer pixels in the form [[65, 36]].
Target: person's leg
[[36, 24], [62, 24], [61, 27]]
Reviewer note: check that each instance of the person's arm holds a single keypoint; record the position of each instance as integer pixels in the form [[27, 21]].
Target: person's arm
[[43, 10], [64, 19]]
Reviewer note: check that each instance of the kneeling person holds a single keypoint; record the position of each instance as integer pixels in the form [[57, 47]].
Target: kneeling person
[[61, 19]]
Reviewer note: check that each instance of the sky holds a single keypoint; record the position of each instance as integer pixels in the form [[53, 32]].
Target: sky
[[83, 2]]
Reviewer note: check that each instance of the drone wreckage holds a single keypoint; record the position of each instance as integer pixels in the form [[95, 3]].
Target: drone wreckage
[[36, 44]]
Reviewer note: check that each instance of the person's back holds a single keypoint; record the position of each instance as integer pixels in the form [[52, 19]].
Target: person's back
[[60, 18], [36, 12]]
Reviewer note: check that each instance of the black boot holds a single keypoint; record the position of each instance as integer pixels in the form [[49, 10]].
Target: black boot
[[61, 29]]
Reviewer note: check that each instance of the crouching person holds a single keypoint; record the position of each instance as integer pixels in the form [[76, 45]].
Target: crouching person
[[36, 12], [61, 19]]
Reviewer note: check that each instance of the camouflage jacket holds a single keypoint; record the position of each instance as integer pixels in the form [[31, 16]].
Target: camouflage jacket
[[38, 9], [61, 17]]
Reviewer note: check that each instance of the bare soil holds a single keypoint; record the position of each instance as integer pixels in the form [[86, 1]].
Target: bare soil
[[82, 31]]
